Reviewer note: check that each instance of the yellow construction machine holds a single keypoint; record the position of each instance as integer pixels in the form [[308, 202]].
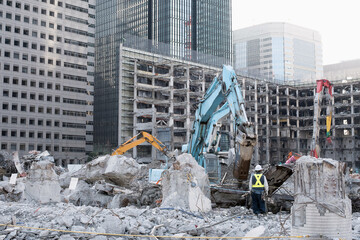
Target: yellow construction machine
[[139, 139]]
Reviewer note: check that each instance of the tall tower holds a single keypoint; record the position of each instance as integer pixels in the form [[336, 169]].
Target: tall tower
[[46, 77], [191, 30], [278, 51]]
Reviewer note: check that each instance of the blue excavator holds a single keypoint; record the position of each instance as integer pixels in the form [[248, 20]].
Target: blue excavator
[[223, 98]]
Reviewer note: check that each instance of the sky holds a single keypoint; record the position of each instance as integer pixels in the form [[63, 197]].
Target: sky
[[338, 22]]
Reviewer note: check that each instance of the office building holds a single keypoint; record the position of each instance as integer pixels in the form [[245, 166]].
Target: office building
[[190, 30], [279, 52], [345, 70], [46, 77]]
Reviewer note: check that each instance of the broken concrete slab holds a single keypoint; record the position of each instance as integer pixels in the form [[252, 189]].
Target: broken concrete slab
[[321, 205], [42, 183], [117, 169], [85, 194], [186, 185], [257, 232]]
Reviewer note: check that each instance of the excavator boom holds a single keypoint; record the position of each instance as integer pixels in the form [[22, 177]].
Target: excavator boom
[[320, 85], [140, 138], [223, 98]]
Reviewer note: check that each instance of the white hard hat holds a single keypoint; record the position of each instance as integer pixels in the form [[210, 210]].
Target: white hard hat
[[258, 168]]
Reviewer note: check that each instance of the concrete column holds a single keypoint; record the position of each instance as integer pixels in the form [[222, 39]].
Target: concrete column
[[119, 134], [135, 104], [288, 107], [188, 113], [171, 110], [256, 158], [153, 130], [353, 155], [278, 124], [297, 122], [268, 134], [333, 129]]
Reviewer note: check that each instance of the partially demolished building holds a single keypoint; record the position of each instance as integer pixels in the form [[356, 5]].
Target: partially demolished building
[[160, 94]]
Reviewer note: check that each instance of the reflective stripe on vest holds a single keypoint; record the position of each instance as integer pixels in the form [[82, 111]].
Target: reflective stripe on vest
[[258, 183]]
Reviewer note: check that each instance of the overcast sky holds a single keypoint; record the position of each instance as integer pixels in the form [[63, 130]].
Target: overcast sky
[[338, 22]]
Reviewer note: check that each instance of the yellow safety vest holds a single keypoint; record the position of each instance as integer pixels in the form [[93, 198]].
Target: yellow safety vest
[[258, 183]]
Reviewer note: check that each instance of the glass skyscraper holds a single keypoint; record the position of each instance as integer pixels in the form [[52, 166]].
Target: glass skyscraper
[[278, 51], [186, 29]]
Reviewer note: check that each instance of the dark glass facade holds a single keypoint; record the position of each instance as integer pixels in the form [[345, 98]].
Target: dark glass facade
[[212, 32], [185, 29]]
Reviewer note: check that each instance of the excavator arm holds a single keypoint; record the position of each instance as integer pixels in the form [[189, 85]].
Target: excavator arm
[[320, 86], [222, 98], [139, 139]]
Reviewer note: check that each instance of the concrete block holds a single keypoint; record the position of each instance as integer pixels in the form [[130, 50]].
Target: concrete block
[[42, 183], [257, 232], [186, 186]]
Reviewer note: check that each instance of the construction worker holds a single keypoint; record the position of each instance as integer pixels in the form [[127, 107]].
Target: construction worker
[[258, 187]]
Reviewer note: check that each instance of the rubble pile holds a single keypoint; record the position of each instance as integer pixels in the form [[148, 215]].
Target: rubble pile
[[236, 221], [7, 165], [131, 220], [186, 185], [353, 183], [113, 195]]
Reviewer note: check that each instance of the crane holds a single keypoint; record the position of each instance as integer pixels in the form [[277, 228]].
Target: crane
[[222, 98]]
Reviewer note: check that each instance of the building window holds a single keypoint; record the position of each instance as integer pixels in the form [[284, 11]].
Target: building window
[[26, 19], [43, 11], [35, 21]]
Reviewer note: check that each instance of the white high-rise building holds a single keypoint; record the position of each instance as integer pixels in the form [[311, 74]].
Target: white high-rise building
[[47, 76], [278, 51]]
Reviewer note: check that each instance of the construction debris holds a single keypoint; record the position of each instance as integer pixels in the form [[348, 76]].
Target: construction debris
[[186, 185], [42, 183], [113, 195], [117, 169], [321, 205]]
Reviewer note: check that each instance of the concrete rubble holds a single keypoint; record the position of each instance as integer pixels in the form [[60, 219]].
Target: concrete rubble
[[113, 196], [186, 185], [321, 205]]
